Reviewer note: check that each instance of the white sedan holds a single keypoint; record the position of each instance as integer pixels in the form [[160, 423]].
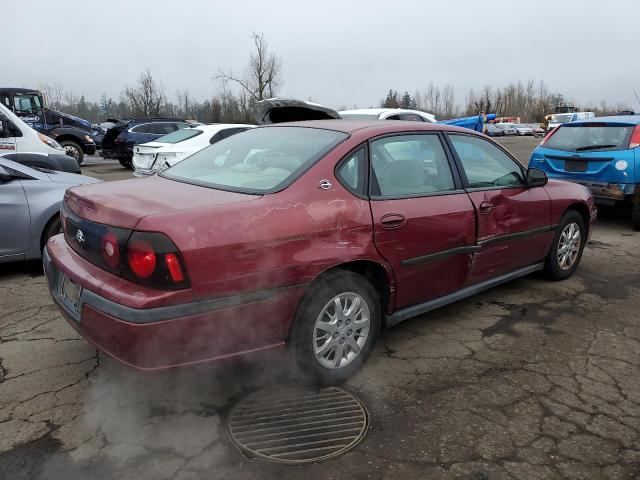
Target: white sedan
[[169, 149], [387, 114]]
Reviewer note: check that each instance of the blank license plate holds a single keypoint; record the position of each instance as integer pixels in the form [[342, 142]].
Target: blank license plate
[[575, 166], [71, 290]]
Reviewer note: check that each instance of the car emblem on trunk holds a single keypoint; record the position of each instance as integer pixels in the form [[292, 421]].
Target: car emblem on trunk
[[324, 184], [80, 237]]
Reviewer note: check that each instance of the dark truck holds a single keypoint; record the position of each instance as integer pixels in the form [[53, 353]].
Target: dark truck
[[73, 133]]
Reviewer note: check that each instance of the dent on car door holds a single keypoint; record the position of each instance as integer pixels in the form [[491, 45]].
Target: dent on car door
[[424, 222], [513, 220], [14, 211]]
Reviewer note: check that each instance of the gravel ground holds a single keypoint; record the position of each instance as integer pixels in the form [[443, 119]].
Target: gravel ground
[[529, 380]]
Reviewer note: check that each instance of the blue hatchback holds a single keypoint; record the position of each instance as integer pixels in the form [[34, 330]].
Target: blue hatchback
[[601, 153]]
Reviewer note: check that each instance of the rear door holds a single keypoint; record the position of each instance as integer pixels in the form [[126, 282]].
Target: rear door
[[513, 220], [424, 222]]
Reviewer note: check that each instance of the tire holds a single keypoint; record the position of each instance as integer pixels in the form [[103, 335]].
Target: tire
[[73, 150], [559, 265], [126, 163], [318, 362], [54, 227], [635, 213]]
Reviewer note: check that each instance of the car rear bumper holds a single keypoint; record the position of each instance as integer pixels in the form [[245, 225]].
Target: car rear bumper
[[609, 193], [173, 335]]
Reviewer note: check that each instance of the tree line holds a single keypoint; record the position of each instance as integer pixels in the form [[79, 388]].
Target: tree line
[[530, 101], [262, 78]]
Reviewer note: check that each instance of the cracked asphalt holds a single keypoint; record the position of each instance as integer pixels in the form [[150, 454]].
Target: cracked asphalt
[[529, 380]]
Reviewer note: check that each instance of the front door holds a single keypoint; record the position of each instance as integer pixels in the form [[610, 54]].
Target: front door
[[513, 220], [424, 222]]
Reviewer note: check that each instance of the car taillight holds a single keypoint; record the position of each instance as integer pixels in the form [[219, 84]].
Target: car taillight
[[635, 138], [119, 140], [141, 258], [111, 250], [548, 135], [153, 260]]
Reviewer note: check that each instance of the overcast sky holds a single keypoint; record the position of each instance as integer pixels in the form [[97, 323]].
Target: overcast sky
[[340, 53]]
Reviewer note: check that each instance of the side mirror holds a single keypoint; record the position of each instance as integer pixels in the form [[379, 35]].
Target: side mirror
[[536, 178], [5, 175]]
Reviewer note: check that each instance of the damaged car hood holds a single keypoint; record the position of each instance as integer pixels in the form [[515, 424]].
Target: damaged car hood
[[279, 110]]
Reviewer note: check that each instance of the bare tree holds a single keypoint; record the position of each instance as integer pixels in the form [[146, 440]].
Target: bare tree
[[148, 98], [53, 95], [261, 79]]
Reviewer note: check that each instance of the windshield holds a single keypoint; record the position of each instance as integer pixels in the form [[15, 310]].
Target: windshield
[[27, 103], [359, 116], [561, 118], [179, 135], [260, 160], [577, 138]]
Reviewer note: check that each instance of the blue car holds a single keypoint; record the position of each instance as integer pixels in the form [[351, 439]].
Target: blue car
[[120, 139], [601, 153]]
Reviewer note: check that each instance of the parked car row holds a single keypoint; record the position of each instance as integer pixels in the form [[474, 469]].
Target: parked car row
[[506, 129]]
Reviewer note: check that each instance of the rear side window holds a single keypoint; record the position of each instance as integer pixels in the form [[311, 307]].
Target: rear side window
[[351, 172], [412, 117], [590, 137], [227, 132], [485, 164], [408, 166]]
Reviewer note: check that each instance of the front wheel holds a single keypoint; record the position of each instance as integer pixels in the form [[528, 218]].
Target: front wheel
[[126, 163], [73, 150], [335, 328], [567, 247]]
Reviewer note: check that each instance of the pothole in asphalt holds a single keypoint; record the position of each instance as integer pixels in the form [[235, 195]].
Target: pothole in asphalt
[[297, 424]]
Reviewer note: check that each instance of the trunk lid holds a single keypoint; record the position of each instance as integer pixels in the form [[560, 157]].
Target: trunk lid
[[279, 110], [111, 135], [123, 203]]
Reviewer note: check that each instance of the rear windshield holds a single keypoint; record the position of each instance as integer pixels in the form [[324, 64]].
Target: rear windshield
[[179, 135], [586, 137], [260, 160], [359, 116]]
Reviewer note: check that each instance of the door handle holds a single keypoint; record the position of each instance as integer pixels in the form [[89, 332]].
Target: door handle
[[485, 207], [392, 220]]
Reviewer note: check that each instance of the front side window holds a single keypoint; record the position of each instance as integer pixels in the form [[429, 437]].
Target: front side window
[[261, 160], [485, 164], [27, 104], [409, 165]]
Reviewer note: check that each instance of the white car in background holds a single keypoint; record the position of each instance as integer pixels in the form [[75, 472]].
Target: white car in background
[[169, 149], [387, 114], [523, 129]]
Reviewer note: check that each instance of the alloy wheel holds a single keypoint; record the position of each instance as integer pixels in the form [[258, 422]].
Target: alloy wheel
[[569, 246], [341, 330]]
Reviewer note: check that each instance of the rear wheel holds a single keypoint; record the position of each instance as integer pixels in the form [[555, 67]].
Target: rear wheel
[[335, 328], [567, 247], [74, 150]]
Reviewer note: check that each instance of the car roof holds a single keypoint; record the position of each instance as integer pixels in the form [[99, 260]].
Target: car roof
[[377, 126], [620, 119], [19, 90]]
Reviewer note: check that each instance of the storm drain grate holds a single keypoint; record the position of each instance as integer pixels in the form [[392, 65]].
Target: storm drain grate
[[297, 424]]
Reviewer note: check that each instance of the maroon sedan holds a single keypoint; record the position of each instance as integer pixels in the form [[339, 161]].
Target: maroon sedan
[[312, 235]]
